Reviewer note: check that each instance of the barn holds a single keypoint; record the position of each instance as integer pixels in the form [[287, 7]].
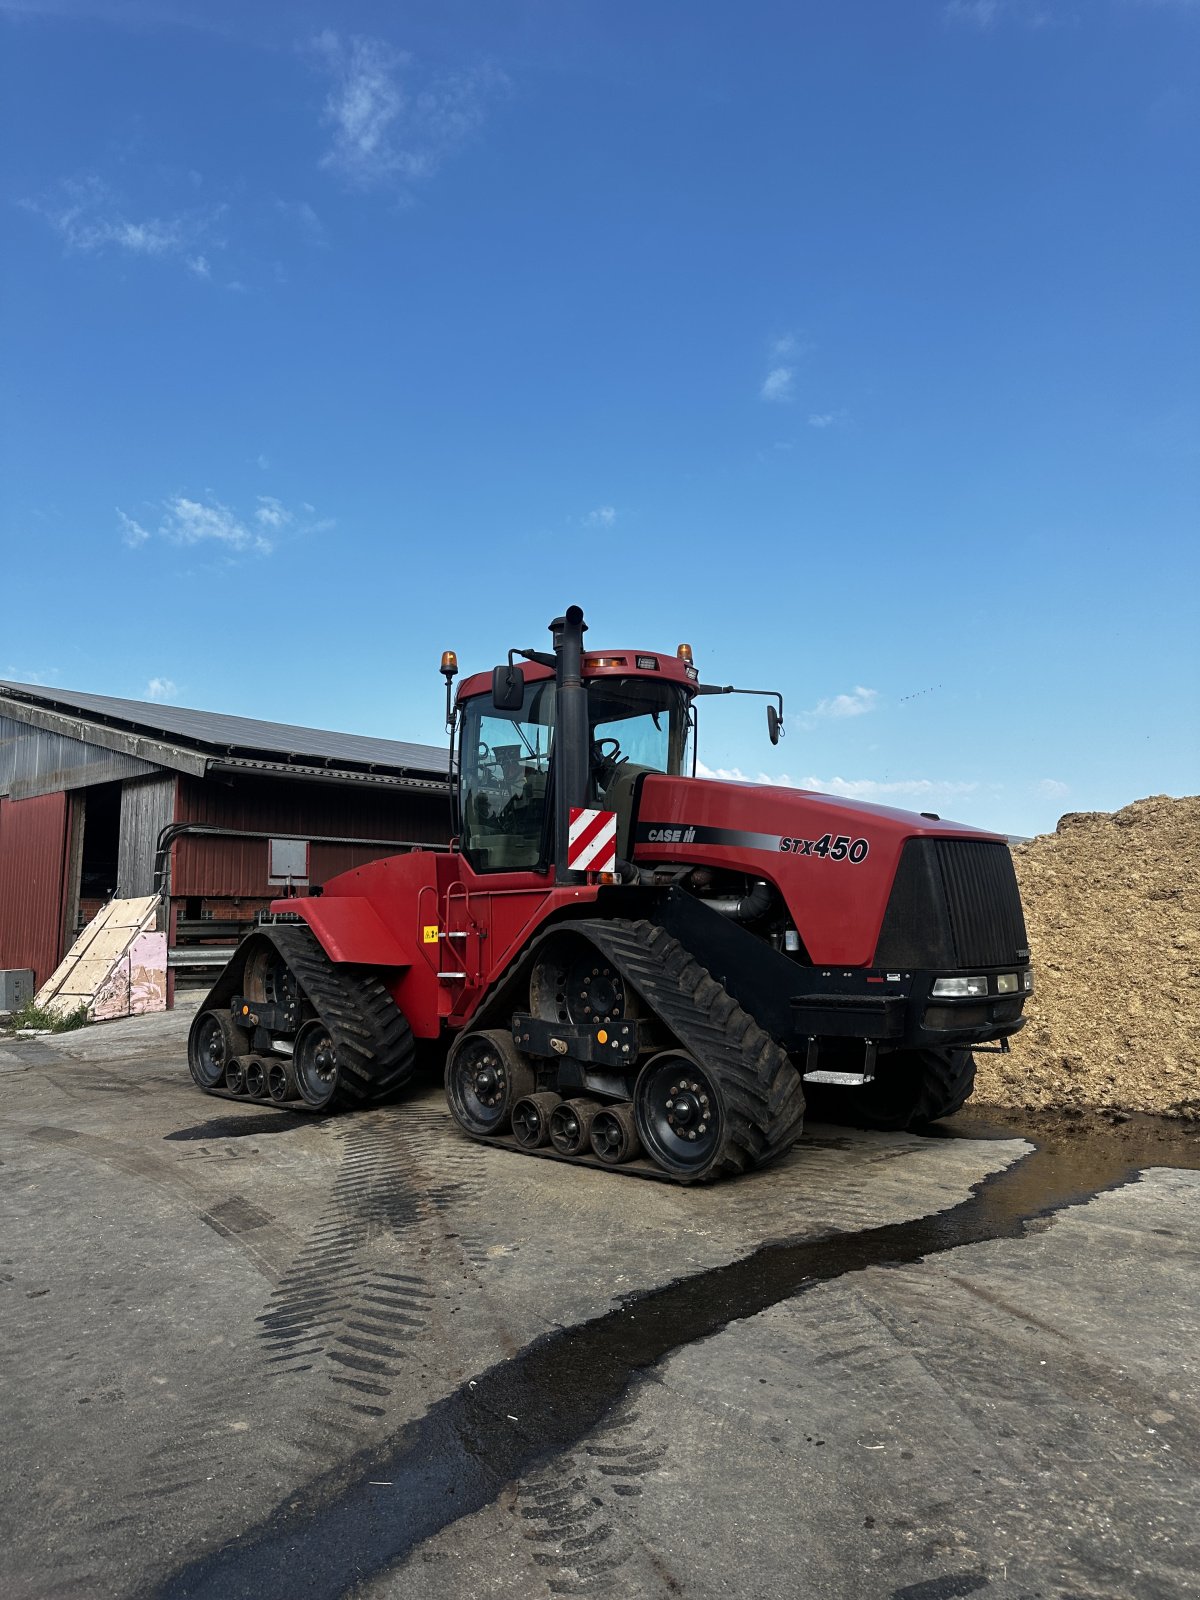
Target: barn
[[221, 814]]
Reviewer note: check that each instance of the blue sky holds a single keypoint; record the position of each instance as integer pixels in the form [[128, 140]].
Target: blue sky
[[856, 344]]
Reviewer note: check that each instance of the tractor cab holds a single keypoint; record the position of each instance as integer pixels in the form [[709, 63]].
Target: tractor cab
[[629, 716]]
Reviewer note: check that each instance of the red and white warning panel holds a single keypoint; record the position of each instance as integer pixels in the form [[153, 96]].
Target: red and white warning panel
[[592, 841]]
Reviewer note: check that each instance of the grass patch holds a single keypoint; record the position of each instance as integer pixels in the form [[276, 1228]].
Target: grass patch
[[31, 1015]]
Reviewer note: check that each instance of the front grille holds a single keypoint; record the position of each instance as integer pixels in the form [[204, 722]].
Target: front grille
[[954, 904], [983, 902]]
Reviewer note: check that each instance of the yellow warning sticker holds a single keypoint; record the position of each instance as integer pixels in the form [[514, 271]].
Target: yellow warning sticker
[[430, 933]]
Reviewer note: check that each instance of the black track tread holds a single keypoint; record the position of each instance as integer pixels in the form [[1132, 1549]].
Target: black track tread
[[763, 1091], [375, 1046], [947, 1083], [374, 1043]]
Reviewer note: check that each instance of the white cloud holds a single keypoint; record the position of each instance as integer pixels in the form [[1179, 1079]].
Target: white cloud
[[777, 385], [387, 126], [601, 517], [161, 689], [900, 788], [1053, 788], [981, 13], [872, 789], [194, 521], [132, 532], [182, 520], [300, 212], [848, 705], [825, 419], [272, 513], [90, 220]]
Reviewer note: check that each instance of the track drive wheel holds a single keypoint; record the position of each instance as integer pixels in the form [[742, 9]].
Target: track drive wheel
[[486, 1075], [316, 1063], [912, 1089], [680, 1114], [213, 1042]]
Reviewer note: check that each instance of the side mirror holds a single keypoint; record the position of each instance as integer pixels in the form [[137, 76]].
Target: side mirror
[[508, 689], [774, 725]]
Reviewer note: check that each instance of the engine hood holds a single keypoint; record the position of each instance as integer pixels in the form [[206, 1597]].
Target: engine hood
[[834, 861]]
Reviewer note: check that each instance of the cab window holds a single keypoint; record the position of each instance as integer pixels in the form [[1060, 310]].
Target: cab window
[[638, 726], [505, 766]]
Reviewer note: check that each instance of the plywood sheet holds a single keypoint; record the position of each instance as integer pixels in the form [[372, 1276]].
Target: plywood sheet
[[116, 967]]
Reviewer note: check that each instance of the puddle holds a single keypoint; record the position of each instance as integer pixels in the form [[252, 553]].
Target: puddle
[[453, 1461]]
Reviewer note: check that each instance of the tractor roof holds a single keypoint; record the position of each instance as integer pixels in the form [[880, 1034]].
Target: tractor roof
[[597, 664]]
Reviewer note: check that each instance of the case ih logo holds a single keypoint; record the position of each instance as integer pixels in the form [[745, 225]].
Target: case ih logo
[[592, 842]]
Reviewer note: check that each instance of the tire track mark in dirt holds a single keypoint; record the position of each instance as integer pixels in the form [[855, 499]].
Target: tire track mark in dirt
[[456, 1459]]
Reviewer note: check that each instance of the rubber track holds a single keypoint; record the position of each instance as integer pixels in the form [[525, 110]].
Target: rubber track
[[376, 1052], [763, 1091], [375, 1048], [947, 1083]]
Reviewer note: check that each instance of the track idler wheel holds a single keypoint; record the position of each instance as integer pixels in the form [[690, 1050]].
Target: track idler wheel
[[571, 1126], [614, 1135], [531, 1119], [680, 1114], [213, 1042], [235, 1077], [486, 1075], [281, 1081], [316, 1065]]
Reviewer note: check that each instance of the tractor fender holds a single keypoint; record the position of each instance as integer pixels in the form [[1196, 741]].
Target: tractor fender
[[350, 930]]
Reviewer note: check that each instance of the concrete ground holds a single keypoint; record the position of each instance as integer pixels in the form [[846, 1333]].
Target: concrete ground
[[250, 1352]]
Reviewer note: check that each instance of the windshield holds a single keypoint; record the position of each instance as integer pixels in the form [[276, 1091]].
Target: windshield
[[637, 725]]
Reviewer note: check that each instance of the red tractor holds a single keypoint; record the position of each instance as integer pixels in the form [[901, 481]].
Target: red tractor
[[635, 967]]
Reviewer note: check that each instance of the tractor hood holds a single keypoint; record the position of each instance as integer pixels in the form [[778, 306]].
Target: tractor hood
[[834, 861]]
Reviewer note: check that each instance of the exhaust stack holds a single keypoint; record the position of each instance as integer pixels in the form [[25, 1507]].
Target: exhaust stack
[[571, 733]]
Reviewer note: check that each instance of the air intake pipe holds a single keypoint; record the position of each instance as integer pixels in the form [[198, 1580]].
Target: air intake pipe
[[571, 745], [748, 906]]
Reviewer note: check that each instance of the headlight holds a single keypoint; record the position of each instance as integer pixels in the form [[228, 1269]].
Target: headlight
[[1006, 983], [1027, 979], [959, 988]]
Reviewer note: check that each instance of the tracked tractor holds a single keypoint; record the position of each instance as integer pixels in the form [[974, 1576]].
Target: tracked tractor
[[630, 966]]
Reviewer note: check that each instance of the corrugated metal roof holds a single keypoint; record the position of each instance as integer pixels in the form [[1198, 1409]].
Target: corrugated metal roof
[[217, 734]]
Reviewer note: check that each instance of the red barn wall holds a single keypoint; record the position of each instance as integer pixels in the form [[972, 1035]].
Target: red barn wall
[[33, 852], [224, 868]]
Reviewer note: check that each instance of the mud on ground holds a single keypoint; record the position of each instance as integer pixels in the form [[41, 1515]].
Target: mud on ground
[[1112, 902]]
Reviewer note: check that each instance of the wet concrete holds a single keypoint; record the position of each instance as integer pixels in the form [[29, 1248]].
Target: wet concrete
[[361, 1352], [460, 1454]]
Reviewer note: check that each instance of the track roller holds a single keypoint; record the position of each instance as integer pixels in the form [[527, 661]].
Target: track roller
[[531, 1119], [256, 1078], [614, 1135], [571, 1126], [281, 1080], [213, 1042], [486, 1075], [316, 1065], [235, 1077]]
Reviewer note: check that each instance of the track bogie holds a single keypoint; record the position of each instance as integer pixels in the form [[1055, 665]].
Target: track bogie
[[714, 1094]]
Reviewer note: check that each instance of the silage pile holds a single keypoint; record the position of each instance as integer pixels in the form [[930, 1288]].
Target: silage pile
[[1112, 903]]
